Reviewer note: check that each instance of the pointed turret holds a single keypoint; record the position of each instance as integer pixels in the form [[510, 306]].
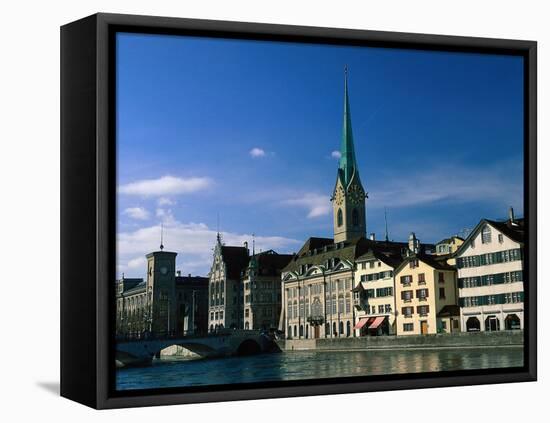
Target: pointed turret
[[347, 165], [348, 196]]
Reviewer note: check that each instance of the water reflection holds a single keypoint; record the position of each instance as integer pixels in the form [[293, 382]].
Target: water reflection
[[312, 365]]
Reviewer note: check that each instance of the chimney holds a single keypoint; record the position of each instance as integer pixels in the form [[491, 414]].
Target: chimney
[[246, 246], [178, 273], [372, 236], [511, 215]]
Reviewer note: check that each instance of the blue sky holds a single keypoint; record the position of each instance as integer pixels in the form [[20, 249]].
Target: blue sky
[[246, 130]]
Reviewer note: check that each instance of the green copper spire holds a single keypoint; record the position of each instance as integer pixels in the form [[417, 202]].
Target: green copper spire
[[347, 163]]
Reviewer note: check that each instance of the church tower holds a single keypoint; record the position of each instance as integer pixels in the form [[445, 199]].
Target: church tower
[[348, 197]]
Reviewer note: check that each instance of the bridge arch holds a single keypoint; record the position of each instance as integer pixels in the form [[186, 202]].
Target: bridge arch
[[249, 347]]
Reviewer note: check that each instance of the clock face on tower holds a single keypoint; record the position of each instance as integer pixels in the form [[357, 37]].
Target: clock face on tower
[[339, 196], [356, 193], [164, 270]]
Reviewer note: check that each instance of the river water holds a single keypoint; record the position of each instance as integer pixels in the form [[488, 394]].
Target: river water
[[296, 365]]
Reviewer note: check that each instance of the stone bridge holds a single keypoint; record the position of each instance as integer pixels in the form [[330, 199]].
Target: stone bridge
[[221, 344]]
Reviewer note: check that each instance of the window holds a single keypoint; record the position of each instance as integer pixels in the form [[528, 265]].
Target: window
[[371, 264], [407, 311], [406, 296], [421, 278], [423, 310], [422, 294], [387, 308], [340, 218], [442, 293], [486, 235], [381, 309], [500, 238], [247, 313], [406, 280], [440, 277], [363, 266], [413, 263], [408, 327], [355, 217]]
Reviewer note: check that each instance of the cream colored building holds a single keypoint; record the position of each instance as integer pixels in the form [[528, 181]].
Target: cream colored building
[[490, 276], [426, 294], [225, 291], [374, 290], [317, 286]]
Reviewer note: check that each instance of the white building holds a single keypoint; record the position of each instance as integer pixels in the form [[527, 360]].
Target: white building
[[490, 276]]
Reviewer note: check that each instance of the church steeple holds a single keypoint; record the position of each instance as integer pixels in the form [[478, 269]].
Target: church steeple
[[348, 197], [347, 164]]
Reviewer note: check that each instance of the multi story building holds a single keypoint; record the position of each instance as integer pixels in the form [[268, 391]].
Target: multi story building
[[490, 276], [262, 290], [163, 304], [426, 293], [225, 292], [374, 298]]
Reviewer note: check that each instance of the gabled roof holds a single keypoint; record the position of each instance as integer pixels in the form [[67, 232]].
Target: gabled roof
[[269, 263], [235, 259], [391, 258], [437, 262], [135, 289], [450, 239], [515, 231], [316, 251]]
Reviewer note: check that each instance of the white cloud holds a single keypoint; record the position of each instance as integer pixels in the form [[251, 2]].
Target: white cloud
[[336, 154], [193, 242], [165, 201], [166, 185], [257, 152], [138, 213], [316, 204]]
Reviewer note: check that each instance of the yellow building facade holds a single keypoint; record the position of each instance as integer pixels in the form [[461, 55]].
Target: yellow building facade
[[426, 296]]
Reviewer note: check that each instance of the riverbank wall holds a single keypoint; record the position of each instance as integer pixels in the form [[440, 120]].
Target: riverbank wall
[[454, 340]]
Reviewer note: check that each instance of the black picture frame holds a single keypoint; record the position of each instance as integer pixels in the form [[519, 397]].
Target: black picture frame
[[88, 194]]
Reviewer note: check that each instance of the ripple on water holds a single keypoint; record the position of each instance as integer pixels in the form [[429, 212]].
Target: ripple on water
[[297, 365]]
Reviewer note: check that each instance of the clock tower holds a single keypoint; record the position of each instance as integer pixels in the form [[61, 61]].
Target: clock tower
[[161, 291], [349, 197]]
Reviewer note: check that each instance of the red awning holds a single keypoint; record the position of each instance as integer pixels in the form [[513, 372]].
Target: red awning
[[376, 322], [362, 322]]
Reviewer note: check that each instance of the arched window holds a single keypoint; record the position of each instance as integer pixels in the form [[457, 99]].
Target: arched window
[[334, 332], [289, 332], [340, 217], [348, 328], [355, 217], [341, 328]]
